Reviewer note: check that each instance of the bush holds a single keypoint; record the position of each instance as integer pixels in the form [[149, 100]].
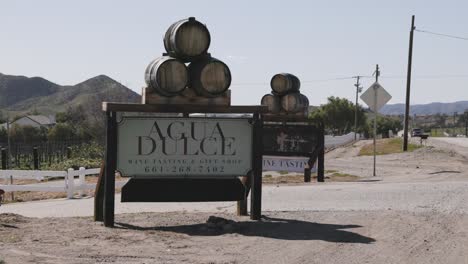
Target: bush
[[87, 155]]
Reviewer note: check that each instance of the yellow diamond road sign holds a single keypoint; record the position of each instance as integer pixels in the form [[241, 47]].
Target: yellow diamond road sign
[[375, 97]]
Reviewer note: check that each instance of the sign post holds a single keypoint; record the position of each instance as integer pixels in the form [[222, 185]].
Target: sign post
[[375, 97], [181, 159], [294, 139]]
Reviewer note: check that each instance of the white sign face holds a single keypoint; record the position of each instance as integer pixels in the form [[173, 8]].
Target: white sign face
[[155, 147], [376, 97], [289, 164]]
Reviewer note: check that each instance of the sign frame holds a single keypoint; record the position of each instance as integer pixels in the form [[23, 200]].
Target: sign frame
[[253, 181], [185, 175], [317, 153]]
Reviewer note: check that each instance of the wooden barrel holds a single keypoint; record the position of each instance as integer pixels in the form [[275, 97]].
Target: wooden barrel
[[294, 103], [167, 76], [284, 83], [209, 77], [273, 102], [187, 39]]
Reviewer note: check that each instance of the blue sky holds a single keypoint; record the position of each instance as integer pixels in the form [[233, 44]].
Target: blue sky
[[70, 41]]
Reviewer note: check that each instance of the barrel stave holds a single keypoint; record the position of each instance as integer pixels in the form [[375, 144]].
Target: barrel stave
[[209, 77], [167, 76], [187, 39]]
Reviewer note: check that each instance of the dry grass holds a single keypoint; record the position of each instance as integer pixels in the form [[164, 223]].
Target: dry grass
[[22, 196], [299, 178], [386, 146]]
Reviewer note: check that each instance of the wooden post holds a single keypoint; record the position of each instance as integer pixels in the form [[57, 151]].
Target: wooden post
[[4, 159], [408, 87], [256, 197], [242, 205], [35, 158], [82, 178], [308, 171], [70, 179], [321, 155], [109, 179], [69, 152], [99, 196]]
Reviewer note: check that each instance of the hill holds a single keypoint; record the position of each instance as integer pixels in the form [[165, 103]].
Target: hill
[[21, 95], [426, 109]]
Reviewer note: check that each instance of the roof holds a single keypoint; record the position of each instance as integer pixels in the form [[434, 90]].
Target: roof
[[40, 119]]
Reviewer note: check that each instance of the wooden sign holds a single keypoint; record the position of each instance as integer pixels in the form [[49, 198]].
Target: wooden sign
[[175, 147], [289, 164], [289, 139]]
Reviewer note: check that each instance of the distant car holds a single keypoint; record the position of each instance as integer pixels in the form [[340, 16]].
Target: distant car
[[417, 132]]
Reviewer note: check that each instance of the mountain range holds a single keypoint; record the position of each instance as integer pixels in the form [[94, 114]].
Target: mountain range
[[21, 95], [426, 109]]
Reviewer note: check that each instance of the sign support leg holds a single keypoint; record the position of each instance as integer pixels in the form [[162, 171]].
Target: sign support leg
[[307, 171], [321, 155], [99, 196], [242, 204], [256, 197], [109, 178]]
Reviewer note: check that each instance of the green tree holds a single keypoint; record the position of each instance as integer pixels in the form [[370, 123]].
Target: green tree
[[61, 132], [337, 116], [3, 135], [384, 124], [27, 134]]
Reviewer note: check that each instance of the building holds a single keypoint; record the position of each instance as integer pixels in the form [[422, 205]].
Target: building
[[36, 121]]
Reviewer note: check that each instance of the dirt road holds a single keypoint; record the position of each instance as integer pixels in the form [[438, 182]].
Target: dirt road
[[415, 211]]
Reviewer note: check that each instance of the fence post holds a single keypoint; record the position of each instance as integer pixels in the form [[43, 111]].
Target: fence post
[[35, 158], [70, 183], [69, 152], [4, 159], [4, 163], [82, 175]]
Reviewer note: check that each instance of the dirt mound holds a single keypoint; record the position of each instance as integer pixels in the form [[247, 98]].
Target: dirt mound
[[7, 218]]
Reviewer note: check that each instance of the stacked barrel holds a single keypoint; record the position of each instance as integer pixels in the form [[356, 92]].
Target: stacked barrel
[[187, 63], [285, 97]]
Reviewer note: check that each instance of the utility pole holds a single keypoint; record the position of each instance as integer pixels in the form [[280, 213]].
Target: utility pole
[[377, 73], [455, 124], [358, 90], [408, 86], [9, 143], [466, 123]]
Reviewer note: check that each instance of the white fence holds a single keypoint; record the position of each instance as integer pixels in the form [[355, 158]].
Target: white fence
[[336, 141], [68, 186]]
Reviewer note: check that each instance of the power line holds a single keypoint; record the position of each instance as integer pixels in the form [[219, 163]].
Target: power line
[[439, 76], [441, 34], [304, 82]]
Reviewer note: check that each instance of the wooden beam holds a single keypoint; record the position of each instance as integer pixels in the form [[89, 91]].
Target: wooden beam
[[237, 109], [286, 118], [257, 164], [109, 179], [182, 190], [321, 155], [99, 196]]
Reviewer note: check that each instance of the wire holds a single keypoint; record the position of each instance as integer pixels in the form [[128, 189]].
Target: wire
[[441, 34], [309, 81], [425, 76], [453, 76]]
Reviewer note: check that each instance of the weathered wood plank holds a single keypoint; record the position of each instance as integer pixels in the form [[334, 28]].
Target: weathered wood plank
[[109, 178], [188, 96], [182, 190], [257, 162], [188, 108], [99, 196]]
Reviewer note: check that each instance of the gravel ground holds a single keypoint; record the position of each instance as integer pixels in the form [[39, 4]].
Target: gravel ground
[[414, 211]]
